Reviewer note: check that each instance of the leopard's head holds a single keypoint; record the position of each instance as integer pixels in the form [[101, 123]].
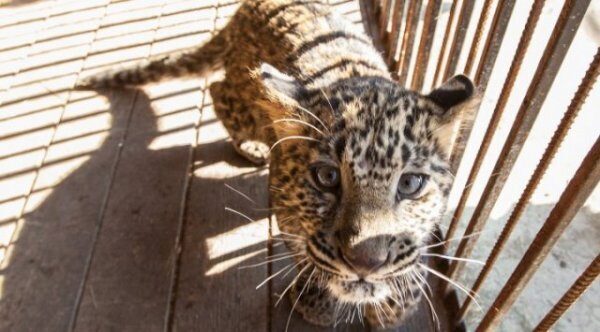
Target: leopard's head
[[359, 177]]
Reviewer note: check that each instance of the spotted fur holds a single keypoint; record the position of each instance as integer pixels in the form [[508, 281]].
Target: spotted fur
[[326, 98]]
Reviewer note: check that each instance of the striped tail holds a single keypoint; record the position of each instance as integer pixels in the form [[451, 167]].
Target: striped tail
[[198, 61]]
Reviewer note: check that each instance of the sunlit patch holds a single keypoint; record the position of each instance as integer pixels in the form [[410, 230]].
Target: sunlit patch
[[11, 232], [7, 231], [2, 278], [233, 262], [237, 239], [181, 138]]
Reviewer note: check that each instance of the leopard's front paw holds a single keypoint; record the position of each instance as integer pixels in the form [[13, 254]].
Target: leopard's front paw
[[256, 152]]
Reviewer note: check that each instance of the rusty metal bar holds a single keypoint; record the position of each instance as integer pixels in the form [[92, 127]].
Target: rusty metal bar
[[515, 66], [483, 18], [429, 24], [368, 9], [493, 42], [561, 132], [488, 59], [393, 37], [562, 36], [573, 197], [384, 16], [579, 287], [464, 19], [412, 20], [438, 68]]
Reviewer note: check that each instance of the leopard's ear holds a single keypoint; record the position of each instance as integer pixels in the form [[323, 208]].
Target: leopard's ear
[[452, 93], [456, 102], [280, 99]]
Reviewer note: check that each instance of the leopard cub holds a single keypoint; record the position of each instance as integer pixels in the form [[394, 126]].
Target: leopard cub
[[358, 164]]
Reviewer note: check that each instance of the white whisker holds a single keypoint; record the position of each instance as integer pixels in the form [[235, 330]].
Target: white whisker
[[240, 193], [287, 325], [450, 240], [287, 240], [301, 122], [278, 255], [292, 235], [376, 308], [328, 102], [293, 267], [313, 115], [436, 319], [239, 214], [274, 275], [269, 261], [336, 312], [454, 283], [452, 258], [424, 280], [290, 138], [292, 283]]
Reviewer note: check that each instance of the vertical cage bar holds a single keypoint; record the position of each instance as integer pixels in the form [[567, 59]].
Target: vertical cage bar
[[483, 18], [561, 132], [369, 10], [412, 20], [488, 59], [438, 68], [494, 42], [532, 20], [429, 24], [393, 37], [464, 19], [384, 16], [562, 36], [571, 296], [573, 197]]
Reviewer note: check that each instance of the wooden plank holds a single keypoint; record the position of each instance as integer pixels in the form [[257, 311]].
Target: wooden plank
[[128, 282], [212, 291], [128, 279], [44, 265], [45, 247]]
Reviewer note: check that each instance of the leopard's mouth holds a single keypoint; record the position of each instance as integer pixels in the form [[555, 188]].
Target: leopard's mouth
[[359, 291], [351, 288]]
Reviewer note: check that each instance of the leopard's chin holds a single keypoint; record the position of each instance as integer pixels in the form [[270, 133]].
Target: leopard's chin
[[359, 291]]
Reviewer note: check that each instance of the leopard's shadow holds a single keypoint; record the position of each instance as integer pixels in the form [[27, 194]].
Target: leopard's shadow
[[129, 236]]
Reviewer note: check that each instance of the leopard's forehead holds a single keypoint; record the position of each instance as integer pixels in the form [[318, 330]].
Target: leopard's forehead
[[381, 128]]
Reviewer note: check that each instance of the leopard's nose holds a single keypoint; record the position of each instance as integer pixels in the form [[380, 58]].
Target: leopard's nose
[[364, 258]]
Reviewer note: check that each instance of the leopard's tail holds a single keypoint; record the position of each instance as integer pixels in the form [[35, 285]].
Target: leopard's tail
[[197, 61]]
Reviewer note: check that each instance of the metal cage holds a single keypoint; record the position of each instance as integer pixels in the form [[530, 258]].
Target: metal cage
[[395, 26]]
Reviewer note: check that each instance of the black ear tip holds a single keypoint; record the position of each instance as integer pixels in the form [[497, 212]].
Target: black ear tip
[[468, 85], [454, 91]]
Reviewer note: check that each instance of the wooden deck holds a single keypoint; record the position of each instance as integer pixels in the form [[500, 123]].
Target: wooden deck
[[112, 206]]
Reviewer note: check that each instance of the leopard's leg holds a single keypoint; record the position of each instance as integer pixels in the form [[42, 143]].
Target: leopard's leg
[[316, 305], [393, 312], [234, 103]]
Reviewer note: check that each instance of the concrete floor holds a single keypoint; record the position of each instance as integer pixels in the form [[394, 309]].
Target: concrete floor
[[580, 244]]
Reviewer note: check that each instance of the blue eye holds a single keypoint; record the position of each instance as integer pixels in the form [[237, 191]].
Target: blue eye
[[411, 184]]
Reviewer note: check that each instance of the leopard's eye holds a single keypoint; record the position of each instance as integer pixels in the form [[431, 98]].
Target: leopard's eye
[[411, 185], [326, 176]]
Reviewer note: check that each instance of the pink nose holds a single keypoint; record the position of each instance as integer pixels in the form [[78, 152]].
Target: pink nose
[[365, 258]]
